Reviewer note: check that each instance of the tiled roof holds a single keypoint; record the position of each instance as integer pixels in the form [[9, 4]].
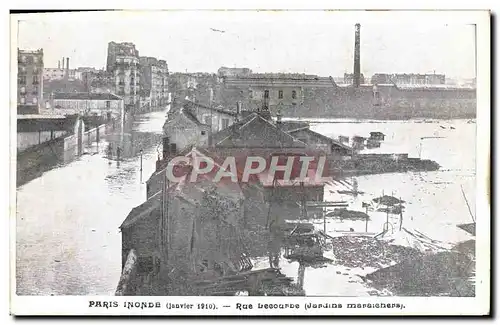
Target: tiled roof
[[256, 131], [86, 96]]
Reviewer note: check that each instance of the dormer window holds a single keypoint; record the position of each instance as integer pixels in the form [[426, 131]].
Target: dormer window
[[294, 94], [266, 94], [280, 94]]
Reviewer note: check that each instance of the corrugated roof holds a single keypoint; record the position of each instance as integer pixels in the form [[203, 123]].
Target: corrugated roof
[[86, 96], [190, 104], [324, 137]]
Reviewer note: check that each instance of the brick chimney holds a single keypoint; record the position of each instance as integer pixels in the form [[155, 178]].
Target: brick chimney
[[357, 57]]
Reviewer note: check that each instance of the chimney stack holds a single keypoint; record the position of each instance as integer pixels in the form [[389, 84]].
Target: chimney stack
[[166, 147], [59, 64], [238, 110], [173, 149], [357, 57], [62, 62], [67, 63]]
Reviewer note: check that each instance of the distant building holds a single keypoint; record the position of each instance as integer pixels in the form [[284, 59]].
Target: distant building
[[154, 81], [103, 104], [233, 72], [60, 73], [216, 117], [30, 81], [270, 91], [408, 79], [377, 136], [123, 65], [349, 78], [98, 81], [184, 129]]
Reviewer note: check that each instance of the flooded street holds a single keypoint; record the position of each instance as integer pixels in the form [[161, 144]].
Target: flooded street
[[68, 241]]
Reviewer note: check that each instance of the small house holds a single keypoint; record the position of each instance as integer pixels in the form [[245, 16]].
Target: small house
[[377, 136], [358, 142]]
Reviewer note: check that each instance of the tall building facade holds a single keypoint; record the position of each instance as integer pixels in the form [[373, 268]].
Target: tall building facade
[[29, 81], [154, 82], [124, 67]]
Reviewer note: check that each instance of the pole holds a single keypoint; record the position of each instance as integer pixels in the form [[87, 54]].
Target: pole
[[324, 219], [141, 166], [400, 214], [367, 217]]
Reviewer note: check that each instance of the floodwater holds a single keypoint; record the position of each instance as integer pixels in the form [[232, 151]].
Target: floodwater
[[68, 240], [434, 206]]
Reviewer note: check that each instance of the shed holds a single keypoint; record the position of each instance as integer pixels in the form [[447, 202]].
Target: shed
[[378, 136]]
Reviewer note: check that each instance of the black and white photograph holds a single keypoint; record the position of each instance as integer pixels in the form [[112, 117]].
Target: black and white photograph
[[182, 162]]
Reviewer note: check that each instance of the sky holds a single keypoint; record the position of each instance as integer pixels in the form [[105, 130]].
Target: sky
[[319, 43]]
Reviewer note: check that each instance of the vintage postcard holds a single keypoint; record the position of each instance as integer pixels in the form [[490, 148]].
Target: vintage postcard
[[283, 162]]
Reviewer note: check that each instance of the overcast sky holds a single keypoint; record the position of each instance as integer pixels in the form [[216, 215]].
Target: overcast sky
[[306, 42]]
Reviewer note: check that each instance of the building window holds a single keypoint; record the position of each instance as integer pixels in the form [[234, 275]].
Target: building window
[[108, 104], [203, 132], [208, 120], [250, 93], [35, 80], [23, 100], [280, 94], [22, 90], [23, 58], [35, 91], [35, 59], [22, 80], [225, 123], [266, 94], [294, 94], [35, 100]]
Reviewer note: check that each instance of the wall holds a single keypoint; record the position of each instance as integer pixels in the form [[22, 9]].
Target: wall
[[29, 139], [184, 132], [204, 115], [83, 105], [142, 236], [329, 101], [91, 135]]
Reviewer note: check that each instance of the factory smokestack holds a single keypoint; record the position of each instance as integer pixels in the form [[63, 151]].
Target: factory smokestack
[[357, 57], [59, 64], [62, 62], [67, 63]]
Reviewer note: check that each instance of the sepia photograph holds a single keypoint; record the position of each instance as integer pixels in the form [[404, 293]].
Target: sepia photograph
[[334, 156]]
